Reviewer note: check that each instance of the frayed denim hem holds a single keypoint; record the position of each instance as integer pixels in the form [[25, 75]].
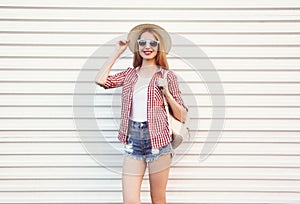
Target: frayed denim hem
[[149, 158], [133, 156], [155, 158]]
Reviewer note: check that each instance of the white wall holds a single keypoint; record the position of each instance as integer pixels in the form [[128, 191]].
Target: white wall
[[253, 45]]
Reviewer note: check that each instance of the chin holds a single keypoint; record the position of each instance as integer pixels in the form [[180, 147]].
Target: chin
[[148, 57]]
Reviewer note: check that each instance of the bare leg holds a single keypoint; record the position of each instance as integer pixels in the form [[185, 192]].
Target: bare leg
[[132, 177], [158, 177]]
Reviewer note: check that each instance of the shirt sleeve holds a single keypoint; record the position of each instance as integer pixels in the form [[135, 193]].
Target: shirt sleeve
[[116, 80], [174, 89]]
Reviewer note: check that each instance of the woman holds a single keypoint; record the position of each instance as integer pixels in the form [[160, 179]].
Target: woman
[[144, 124]]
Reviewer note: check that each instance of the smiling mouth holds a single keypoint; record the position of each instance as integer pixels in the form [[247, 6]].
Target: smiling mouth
[[148, 52]]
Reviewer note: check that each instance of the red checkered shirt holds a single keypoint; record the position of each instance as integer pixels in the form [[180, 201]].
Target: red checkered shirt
[[156, 113]]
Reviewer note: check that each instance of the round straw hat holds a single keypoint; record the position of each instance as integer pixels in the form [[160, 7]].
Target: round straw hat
[[135, 32]]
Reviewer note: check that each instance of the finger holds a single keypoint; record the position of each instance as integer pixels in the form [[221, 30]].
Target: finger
[[159, 82], [122, 42], [162, 82]]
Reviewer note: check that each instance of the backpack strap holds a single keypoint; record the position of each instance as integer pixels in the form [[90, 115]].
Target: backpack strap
[[166, 104]]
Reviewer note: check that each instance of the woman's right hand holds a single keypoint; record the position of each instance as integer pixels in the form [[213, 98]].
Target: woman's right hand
[[122, 45]]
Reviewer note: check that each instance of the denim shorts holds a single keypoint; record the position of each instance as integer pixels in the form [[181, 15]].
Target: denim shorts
[[138, 143]]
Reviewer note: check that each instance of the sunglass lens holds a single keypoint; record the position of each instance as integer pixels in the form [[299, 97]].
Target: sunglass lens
[[153, 43], [142, 42]]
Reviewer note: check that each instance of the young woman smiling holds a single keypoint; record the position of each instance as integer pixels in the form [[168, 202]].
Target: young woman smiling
[[144, 129]]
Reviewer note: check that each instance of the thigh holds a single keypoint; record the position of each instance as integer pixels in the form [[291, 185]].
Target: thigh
[[158, 177], [132, 177]]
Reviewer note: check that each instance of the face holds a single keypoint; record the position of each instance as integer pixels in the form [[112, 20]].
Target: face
[[149, 50]]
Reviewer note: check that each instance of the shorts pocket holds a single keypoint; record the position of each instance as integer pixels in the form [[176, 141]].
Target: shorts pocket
[[128, 147]]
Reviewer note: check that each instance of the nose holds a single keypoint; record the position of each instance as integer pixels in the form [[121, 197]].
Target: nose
[[147, 45]]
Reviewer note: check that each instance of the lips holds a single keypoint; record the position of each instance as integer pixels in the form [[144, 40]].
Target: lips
[[148, 52]]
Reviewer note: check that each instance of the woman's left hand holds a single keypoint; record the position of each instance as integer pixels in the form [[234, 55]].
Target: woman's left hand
[[178, 111], [163, 84]]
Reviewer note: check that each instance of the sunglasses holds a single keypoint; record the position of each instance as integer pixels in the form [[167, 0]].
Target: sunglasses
[[153, 43]]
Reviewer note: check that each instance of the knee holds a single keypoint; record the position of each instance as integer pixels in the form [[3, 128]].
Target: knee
[[159, 202], [158, 199], [131, 201], [130, 197]]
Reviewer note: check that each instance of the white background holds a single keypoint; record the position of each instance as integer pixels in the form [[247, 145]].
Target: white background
[[254, 46]]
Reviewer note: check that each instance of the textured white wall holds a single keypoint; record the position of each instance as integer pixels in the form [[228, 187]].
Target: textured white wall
[[253, 45]]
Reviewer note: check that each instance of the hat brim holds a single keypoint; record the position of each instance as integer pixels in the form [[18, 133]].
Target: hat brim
[[135, 32]]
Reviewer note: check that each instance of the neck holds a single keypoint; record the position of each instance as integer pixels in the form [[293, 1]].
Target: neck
[[147, 69], [148, 63]]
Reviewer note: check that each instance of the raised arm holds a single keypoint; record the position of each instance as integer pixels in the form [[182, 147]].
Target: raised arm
[[106, 67]]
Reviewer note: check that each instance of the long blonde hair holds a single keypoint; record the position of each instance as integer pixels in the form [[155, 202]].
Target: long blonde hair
[[160, 58]]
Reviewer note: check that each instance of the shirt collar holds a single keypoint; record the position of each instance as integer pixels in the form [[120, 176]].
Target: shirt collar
[[160, 69]]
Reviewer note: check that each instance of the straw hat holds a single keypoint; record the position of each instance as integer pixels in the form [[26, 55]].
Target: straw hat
[[135, 32]]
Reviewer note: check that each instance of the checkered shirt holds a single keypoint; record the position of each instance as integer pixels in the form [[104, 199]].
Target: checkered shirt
[[156, 113]]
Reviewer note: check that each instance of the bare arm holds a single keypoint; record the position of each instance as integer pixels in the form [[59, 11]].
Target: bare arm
[[106, 67], [178, 111]]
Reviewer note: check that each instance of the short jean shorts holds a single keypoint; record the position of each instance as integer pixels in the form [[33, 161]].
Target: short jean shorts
[[138, 143]]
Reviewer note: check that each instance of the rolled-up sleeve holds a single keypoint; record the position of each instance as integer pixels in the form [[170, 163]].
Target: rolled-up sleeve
[[174, 89], [116, 80]]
